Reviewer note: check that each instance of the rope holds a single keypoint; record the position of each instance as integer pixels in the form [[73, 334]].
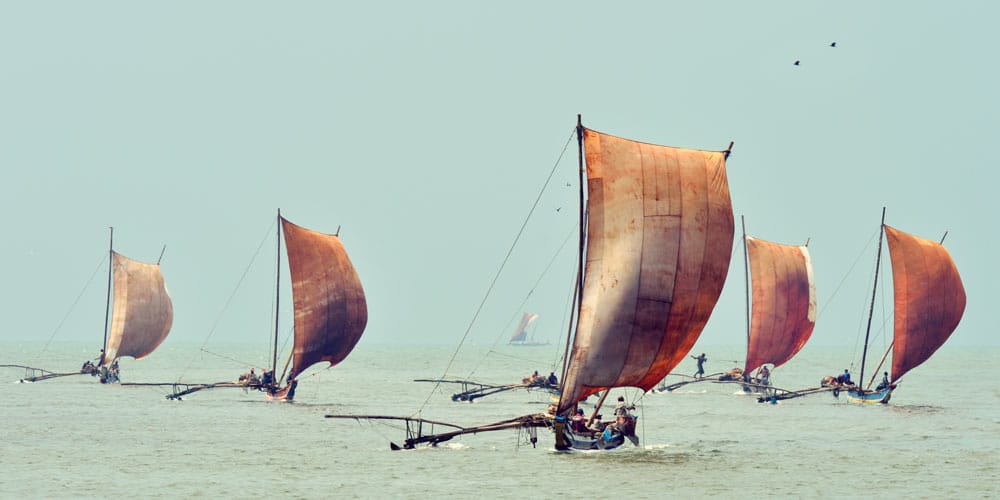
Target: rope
[[502, 265], [520, 307], [229, 300], [71, 307]]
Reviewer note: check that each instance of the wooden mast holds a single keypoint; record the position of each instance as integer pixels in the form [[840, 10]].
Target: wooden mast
[[871, 308], [107, 304], [746, 285], [277, 299], [578, 289]]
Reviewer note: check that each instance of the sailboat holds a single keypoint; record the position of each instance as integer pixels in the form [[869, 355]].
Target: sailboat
[[520, 337], [784, 306], [140, 315], [783, 314], [929, 301], [653, 256], [330, 311]]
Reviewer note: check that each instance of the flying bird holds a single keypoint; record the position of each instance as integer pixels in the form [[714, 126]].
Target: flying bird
[[834, 44], [796, 63]]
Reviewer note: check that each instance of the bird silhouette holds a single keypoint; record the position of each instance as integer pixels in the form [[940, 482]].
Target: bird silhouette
[[834, 44], [558, 209], [796, 63]]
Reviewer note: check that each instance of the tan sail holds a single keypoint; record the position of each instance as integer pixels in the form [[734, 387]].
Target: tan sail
[[142, 310], [659, 240], [929, 298], [784, 302], [330, 308]]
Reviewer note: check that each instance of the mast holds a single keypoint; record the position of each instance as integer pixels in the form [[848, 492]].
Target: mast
[[277, 298], [746, 285], [107, 303], [871, 308], [578, 289]]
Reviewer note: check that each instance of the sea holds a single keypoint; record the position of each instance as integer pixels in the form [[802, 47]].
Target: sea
[[74, 438]]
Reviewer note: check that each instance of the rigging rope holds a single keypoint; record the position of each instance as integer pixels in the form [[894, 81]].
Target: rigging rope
[[502, 265], [520, 306], [71, 307], [225, 306]]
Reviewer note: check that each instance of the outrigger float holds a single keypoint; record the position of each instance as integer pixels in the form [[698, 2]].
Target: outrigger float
[[656, 236], [472, 390]]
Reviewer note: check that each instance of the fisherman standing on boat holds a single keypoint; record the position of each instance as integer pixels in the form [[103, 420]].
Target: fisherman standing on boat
[[764, 375], [701, 362]]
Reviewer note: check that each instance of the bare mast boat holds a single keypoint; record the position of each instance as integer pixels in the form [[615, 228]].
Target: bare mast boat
[[330, 311]]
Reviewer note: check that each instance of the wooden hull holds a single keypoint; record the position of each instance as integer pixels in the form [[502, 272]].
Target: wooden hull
[[610, 438], [286, 393], [868, 397]]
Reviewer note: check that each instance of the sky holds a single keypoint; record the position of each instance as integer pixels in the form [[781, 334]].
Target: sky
[[425, 132]]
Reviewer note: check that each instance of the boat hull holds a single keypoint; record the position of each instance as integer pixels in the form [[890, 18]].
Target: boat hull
[[868, 397], [286, 393], [610, 438]]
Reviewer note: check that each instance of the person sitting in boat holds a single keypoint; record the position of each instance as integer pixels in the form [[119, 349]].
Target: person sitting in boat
[[267, 378], [701, 362], [734, 374], [845, 378], [884, 383], [252, 379], [87, 367], [579, 423], [553, 380]]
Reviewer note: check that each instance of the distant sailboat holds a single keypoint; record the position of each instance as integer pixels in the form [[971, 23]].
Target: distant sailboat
[[929, 301], [330, 311], [520, 337], [784, 307], [140, 321], [782, 316], [654, 254]]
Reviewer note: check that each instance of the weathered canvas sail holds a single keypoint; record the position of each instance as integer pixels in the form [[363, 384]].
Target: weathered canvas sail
[[659, 239], [929, 298], [142, 311], [521, 333], [784, 302], [330, 308]]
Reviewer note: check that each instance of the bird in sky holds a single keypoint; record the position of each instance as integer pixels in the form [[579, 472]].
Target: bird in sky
[[834, 44], [796, 63]]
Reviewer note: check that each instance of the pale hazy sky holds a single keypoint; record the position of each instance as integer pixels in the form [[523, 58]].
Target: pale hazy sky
[[425, 130]]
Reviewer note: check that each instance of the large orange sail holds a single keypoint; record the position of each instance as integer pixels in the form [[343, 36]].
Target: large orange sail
[[142, 309], [330, 308], [784, 302], [659, 240], [929, 298]]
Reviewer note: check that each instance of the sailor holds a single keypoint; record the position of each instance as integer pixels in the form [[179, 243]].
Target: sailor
[[701, 361], [884, 383], [847, 377], [267, 378], [553, 380], [621, 409], [253, 380], [578, 423], [765, 375]]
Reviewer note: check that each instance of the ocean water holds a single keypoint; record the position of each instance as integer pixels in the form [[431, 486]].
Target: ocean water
[[72, 437]]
